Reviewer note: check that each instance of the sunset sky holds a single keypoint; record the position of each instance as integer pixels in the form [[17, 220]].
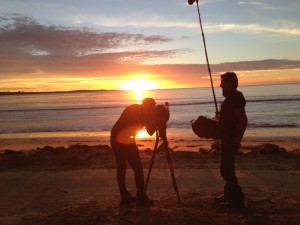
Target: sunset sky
[[55, 45]]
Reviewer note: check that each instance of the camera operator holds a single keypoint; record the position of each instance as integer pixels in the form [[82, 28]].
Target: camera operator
[[123, 133]]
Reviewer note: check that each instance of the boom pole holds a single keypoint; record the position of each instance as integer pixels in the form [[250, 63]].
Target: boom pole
[[207, 62]]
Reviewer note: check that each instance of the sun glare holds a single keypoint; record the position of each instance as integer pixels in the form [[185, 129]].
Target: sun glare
[[142, 134], [138, 86]]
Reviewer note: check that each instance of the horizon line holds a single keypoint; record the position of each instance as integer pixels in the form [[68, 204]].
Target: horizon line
[[104, 90]]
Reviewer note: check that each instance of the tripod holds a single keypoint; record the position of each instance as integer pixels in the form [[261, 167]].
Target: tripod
[[170, 164]]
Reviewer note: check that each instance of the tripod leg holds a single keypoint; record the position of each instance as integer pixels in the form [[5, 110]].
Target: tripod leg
[[152, 160], [172, 172]]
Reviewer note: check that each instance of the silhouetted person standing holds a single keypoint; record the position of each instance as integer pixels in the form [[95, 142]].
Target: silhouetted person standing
[[123, 133], [233, 123]]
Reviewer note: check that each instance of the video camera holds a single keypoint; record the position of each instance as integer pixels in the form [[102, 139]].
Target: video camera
[[162, 111], [163, 115]]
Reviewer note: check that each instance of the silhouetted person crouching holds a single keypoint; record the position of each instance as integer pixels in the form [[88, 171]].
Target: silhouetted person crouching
[[123, 133]]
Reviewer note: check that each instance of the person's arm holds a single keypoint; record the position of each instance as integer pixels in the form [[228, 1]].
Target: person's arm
[[242, 123], [162, 129], [154, 123], [151, 127]]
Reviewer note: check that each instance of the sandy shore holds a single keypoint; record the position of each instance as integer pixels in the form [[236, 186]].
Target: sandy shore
[[73, 182], [182, 144]]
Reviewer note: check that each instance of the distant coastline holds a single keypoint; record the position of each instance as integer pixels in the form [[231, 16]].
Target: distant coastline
[[49, 92], [107, 90]]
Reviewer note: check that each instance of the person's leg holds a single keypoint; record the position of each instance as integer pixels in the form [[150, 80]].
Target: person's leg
[[120, 166], [119, 150], [232, 189], [225, 171], [134, 161]]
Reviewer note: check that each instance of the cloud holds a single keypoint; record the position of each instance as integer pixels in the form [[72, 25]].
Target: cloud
[[161, 22], [30, 37], [29, 48], [201, 69], [263, 5], [89, 65], [270, 64], [253, 3], [252, 28], [191, 73], [86, 73]]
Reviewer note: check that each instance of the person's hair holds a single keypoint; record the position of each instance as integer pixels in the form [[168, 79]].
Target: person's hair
[[149, 102], [230, 77]]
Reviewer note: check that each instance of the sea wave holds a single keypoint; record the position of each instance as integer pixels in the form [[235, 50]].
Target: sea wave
[[187, 124], [171, 104], [172, 127], [61, 109], [268, 125], [49, 130]]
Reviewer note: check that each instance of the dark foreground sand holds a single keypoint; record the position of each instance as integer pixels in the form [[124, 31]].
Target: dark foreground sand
[[76, 185]]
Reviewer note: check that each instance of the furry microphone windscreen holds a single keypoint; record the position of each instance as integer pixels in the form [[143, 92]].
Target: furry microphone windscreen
[[191, 2]]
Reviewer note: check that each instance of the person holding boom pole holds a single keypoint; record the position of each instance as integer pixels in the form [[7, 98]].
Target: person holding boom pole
[[230, 128], [233, 122]]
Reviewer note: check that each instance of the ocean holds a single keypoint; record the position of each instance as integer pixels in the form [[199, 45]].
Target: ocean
[[272, 110]]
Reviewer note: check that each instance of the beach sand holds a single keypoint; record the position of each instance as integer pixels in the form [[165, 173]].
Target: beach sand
[[72, 181]]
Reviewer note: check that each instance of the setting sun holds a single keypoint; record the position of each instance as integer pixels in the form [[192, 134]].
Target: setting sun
[[138, 86]]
